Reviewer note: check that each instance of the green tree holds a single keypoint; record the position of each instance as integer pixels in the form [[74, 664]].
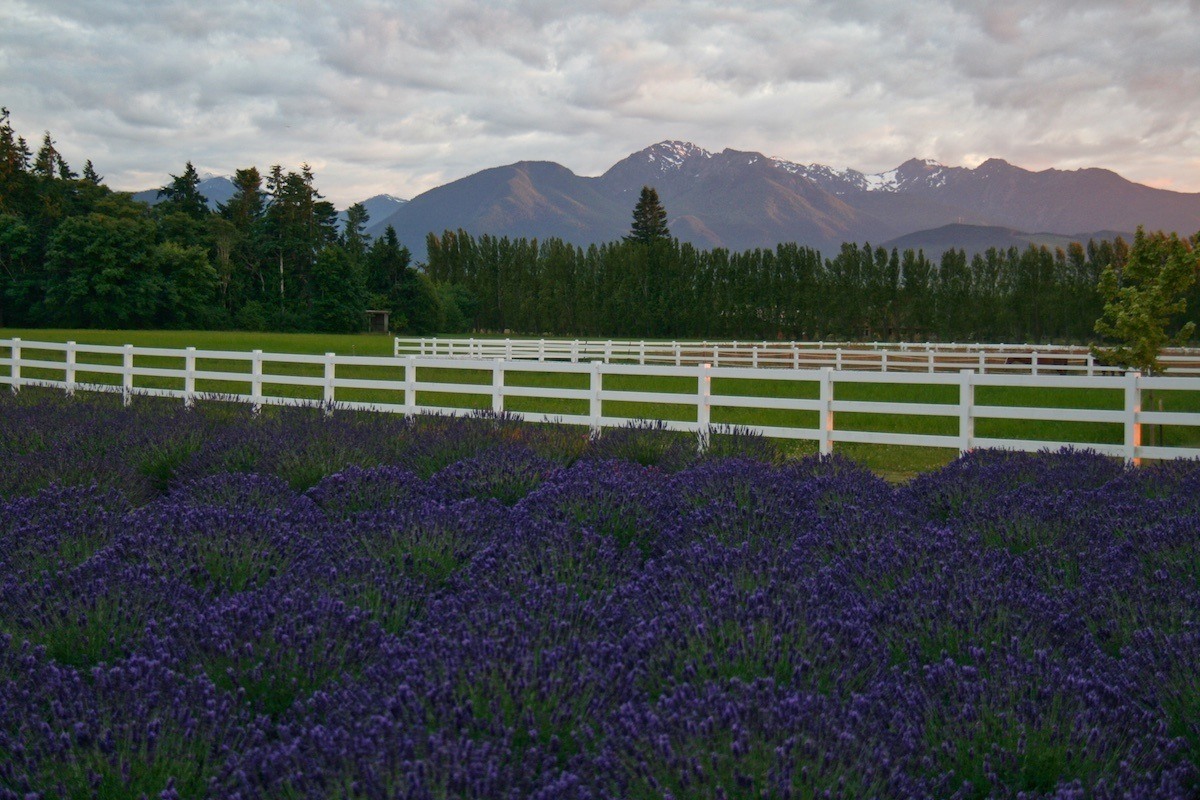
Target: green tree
[[17, 283], [649, 219], [16, 184], [417, 304], [238, 243], [49, 163], [182, 194], [354, 237], [298, 225], [101, 271], [90, 175], [189, 285], [339, 296], [1142, 295]]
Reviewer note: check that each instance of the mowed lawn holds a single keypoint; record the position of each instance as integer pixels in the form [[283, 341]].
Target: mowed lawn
[[893, 462]]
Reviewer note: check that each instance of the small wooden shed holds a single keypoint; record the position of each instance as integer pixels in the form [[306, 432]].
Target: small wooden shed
[[378, 320]]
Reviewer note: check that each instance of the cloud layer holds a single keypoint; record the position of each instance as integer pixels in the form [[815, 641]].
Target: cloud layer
[[400, 97]]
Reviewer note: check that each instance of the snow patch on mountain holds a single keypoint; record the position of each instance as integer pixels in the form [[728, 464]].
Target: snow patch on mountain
[[926, 173], [670, 155]]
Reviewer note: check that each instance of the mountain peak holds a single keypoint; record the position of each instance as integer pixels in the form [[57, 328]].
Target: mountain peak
[[670, 154]]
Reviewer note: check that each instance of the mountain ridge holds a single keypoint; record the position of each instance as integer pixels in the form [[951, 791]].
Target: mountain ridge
[[741, 199]]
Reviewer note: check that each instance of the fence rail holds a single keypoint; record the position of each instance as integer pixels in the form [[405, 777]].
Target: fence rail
[[682, 396], [872, 356]]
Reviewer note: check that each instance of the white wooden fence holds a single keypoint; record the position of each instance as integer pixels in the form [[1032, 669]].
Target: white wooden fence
[[873, 356], [60, 365]]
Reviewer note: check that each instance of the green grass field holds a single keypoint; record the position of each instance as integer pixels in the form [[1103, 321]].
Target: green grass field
[[893, 462]]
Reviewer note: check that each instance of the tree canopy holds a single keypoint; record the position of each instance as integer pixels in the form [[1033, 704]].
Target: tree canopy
[[1144, 296]]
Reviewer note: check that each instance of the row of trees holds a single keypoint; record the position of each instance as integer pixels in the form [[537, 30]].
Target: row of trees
[[667, 289], [73, 253]]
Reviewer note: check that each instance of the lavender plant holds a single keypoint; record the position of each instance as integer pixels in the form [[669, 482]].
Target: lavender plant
[[214, 604]]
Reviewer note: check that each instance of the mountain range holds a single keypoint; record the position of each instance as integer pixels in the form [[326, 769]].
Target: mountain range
[[740, 200]]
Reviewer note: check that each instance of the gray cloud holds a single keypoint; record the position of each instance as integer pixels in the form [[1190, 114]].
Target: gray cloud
[[391, 96]]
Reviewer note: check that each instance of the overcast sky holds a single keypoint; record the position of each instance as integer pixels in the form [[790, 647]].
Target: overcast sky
[[400, 97]]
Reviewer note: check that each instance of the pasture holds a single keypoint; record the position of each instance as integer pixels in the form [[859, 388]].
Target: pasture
[[896, 462]]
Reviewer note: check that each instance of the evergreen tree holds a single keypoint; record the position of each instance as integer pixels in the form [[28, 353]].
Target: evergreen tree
[[649, 219], [387, 264], [183, 195], [354, 237], [49, 163], [238, 244], [16, 184], [298, 225], [89, 174]]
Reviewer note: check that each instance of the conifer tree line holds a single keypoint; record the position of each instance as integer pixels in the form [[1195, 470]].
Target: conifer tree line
[[74, 253]]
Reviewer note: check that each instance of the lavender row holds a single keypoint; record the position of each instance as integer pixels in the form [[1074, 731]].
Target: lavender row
[[47, 438], [504, 618]]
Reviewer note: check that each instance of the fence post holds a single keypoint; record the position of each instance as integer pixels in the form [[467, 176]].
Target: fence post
[[754, 357], [575, 351], [69, 372], [15, 370], [595, 407], [541, 349], [837, 359], [1133, 427], [189, 378], [498, 386], [678, 355], [410, 386], [982, 364], [825, 420], [127, 375], [795, 357], [1033, 362], [703, 404], [1091, 365], [929, 358], [256, 374], [883, 361], [966, 411], [330, 374], [642, 352], [716, 362]]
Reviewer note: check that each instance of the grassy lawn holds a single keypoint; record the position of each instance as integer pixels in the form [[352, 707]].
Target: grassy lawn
[[894, 462]]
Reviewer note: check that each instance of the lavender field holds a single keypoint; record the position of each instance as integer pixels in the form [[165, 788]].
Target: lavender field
[[211, 604]]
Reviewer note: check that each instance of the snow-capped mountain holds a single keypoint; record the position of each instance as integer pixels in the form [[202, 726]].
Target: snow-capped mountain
[[915, 174], [740, 199]]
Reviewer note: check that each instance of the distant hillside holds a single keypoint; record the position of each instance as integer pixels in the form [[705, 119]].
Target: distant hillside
[[533, 199], [978, 238]]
